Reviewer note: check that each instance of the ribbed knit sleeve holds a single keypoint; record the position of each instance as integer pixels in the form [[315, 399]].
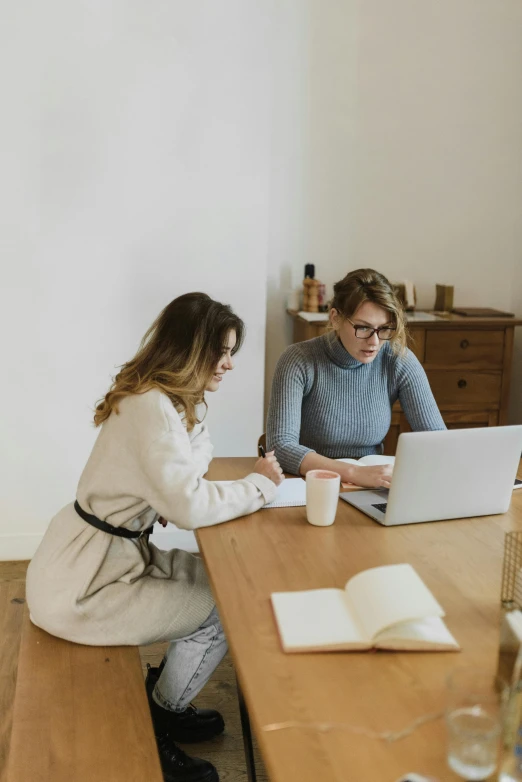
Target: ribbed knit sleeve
[[416, 397], [284, 412]]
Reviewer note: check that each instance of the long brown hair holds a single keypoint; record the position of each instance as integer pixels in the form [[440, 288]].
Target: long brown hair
[[368, 285], [178, 355]]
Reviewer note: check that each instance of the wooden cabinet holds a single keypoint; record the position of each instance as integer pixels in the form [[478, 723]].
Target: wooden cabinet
[[468, 364], [472, 349]]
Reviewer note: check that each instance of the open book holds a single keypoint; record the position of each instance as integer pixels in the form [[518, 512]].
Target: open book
[[366, 461], [387, 607]]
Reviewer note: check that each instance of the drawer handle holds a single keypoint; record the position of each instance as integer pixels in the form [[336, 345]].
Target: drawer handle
[[464, 344], [462, 384]]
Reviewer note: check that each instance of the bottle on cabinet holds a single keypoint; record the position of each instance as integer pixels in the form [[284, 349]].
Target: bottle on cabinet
[[314, 291]]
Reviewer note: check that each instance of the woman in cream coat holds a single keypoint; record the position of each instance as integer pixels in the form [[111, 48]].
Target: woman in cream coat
[[95, 579]]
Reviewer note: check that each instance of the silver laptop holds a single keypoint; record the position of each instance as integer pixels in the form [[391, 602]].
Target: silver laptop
[[446, 475]]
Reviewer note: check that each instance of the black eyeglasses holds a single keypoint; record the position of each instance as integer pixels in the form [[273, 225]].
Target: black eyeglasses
[[366, 332]]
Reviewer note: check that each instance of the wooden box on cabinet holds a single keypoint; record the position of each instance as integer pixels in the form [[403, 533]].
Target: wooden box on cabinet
[[468, 364]]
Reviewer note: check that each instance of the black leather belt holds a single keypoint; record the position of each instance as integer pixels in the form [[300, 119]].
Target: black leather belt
[[120, 532]]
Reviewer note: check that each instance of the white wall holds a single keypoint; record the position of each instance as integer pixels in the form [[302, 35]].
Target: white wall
[[411, 158], [134, 150], [149, 148]]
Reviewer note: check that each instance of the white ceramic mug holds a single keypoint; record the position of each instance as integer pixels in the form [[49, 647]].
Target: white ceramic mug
[[322, 497]]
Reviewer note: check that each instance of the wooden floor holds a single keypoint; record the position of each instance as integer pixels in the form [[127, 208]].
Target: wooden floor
[[225, 752]]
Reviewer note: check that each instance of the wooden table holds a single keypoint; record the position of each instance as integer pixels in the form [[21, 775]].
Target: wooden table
[[273, 550]]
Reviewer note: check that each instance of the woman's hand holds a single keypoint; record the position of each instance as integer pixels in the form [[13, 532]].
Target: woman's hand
[[269, 467], [377, 476]]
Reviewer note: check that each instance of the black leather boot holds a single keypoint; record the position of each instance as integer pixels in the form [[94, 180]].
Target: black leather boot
[[177, 766], [188, 726]]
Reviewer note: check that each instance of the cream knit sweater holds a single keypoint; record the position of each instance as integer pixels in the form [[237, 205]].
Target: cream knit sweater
[[94, 588]]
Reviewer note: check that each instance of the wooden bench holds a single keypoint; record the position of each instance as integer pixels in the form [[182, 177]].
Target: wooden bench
[[80, 714]]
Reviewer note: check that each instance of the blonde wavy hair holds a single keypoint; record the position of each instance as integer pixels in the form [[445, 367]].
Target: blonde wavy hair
[[178, 355], [368, 285]]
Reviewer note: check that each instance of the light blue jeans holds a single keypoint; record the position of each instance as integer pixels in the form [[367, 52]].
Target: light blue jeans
[[189, 664]]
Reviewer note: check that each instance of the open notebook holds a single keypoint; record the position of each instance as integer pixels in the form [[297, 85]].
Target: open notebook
[[387, 607], [290, 494]]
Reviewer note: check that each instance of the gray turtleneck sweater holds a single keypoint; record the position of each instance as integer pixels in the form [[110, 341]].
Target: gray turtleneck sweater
[[324, 400]]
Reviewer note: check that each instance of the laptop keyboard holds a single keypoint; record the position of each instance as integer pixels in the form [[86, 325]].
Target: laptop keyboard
[[381, 506]]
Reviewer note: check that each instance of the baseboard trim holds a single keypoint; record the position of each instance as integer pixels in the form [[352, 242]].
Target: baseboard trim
[[23, 545], [18, 546]]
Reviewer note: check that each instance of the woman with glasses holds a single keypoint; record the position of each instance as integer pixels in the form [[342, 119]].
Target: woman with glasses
[[332, 395]]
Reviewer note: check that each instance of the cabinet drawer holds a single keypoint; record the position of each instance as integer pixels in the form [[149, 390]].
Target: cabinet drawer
[[453, 420], [456, 389], [470, 420], [465, 347]]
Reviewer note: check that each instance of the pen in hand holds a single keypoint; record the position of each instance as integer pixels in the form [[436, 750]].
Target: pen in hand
[[270, 469]]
